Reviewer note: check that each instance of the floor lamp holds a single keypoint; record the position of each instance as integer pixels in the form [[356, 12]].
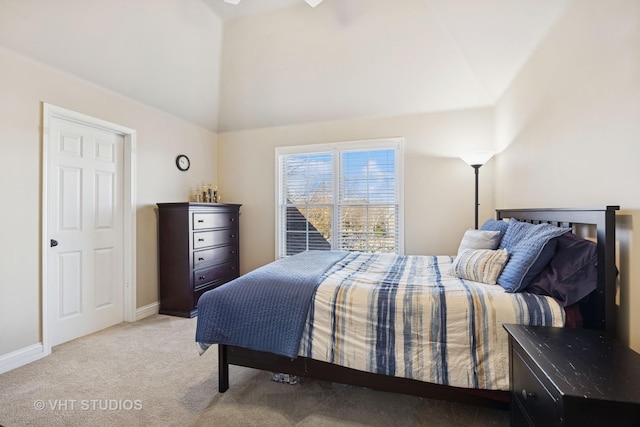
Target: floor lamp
[[475, 159]]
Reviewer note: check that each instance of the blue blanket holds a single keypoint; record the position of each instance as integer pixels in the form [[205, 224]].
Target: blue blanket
[[265, 309]]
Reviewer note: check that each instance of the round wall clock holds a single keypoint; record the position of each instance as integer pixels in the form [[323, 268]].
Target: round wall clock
[[182, 162]]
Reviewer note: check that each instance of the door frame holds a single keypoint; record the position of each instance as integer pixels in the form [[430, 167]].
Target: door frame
[[50, 112]]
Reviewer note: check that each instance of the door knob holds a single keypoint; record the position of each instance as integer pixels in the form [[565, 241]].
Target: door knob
[[54, 243]]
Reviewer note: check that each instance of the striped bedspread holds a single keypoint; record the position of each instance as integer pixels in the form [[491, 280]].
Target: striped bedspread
[[405, 316]]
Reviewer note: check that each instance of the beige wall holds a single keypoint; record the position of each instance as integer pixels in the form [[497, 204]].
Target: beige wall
[[570, 129], [24, 85], [438, 186]]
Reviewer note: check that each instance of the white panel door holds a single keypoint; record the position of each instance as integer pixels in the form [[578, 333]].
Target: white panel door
[[86, 278]]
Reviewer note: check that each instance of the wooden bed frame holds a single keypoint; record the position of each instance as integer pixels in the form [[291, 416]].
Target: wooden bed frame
[[597, 313]]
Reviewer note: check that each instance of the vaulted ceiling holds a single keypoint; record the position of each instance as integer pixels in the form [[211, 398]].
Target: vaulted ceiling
[[278, 62]]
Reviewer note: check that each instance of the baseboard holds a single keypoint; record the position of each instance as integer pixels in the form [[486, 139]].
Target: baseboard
[[147, 310], [21, 357], [29, 354]]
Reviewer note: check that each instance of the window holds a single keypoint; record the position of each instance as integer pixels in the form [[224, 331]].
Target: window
[[343, 196]]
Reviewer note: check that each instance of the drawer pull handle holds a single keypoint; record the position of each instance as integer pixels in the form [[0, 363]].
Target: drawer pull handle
[[200, 240], [202, 277], [232, 252], [233, 236], [201, 221], [527, 394], [200, 259]]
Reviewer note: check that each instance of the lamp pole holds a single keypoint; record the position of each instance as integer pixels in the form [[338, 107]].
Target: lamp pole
[[477, 170], [475, 159]]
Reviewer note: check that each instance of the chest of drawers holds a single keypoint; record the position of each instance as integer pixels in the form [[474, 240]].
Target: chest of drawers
[[198, 250]]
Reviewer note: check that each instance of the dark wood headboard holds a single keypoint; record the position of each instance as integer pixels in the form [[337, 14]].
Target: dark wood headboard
[[599, 311]]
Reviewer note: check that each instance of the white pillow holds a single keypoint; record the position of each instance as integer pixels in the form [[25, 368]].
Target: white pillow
[[479, 265], [479, 239]]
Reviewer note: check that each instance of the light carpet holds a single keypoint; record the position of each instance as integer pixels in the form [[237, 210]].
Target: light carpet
[[149, 373]]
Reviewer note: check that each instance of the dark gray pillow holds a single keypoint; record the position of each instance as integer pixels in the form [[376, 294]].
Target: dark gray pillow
[[571, 274]]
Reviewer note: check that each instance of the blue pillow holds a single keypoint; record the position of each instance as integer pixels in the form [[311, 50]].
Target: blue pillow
[[495, 225], [530, 248]]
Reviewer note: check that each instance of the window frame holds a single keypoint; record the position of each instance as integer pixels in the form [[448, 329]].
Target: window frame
[[396, 143]]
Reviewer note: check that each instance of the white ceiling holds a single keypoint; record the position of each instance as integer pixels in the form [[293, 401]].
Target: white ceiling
[[350, 59], [170, 54], [247, 7]]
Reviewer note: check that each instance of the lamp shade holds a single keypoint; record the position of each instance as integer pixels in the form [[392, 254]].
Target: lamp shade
[[232, 1], [475, 158], [313, 3]]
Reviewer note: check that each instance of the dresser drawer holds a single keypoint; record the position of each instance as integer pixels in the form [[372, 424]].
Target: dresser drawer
[[217, 272], [542, 406], [214, 256], [203, 239], [203, 220]]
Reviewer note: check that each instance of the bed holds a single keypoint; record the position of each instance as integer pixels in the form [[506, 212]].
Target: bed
[[415, 324]]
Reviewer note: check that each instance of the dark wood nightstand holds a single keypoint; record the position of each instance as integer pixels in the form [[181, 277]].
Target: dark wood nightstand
[[571, 377]]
